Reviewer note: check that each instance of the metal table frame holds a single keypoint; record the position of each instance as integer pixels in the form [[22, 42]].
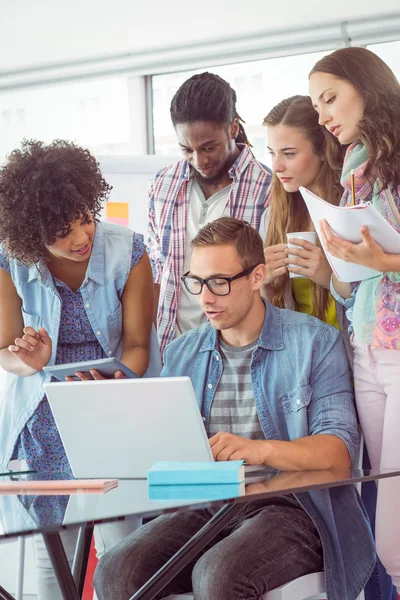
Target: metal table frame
[[187, 553], [71, 582]]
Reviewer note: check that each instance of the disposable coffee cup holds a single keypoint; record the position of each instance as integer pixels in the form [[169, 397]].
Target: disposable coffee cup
[[310, 236]]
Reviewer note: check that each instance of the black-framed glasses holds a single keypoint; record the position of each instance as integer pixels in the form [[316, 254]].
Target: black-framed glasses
[[220, 286]]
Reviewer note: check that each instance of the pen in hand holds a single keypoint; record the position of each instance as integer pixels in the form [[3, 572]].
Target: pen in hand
[[353, 188]]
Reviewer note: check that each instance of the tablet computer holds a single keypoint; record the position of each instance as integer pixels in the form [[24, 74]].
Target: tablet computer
[[105, 366]]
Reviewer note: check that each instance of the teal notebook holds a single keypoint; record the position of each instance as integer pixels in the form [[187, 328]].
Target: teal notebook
[[169, 473], [197, 491]]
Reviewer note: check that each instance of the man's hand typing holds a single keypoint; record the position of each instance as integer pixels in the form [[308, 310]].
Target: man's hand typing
[[228, 446]]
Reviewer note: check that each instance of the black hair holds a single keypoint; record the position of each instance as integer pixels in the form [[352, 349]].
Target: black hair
[[43, 189], [207, 97]]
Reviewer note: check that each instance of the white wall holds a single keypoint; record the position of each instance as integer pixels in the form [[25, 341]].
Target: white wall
[[50, 31], [130, 177]]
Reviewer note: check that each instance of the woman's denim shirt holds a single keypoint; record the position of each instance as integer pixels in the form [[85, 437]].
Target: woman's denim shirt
[[106, 275], [301, 385]]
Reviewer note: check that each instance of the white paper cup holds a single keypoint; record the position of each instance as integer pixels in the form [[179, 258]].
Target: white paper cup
[[310, 236]]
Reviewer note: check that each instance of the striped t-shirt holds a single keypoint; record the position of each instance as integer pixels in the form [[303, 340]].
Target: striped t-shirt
[[233, 408]]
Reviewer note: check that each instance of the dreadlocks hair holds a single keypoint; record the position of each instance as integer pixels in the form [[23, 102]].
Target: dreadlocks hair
[[207, 97]]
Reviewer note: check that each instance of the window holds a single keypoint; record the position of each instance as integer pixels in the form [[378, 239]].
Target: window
[[259, 86], [390, 53], [100, 114]]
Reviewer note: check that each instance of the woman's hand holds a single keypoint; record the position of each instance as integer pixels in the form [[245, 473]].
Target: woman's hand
[[275, 261], [83, 376], [33, 349], [310, 261], [367, 252]]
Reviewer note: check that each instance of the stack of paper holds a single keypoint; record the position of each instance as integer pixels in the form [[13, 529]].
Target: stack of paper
[[346, 222], [176, 473]]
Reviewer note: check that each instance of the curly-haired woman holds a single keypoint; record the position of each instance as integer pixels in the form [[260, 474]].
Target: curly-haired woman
[[71, 289], [357, 97]]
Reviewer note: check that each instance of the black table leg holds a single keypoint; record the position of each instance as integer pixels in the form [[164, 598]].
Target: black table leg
[[187, 553], [4, 595], [81, 556], [60, 565]]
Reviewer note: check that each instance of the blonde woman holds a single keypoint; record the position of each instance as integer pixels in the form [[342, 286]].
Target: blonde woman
[[298, 145]]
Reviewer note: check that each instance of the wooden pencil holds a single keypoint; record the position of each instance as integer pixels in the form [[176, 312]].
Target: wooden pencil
[[353, 188]]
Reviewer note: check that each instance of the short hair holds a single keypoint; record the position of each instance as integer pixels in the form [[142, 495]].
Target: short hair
[[44, 188], [206, 97], [227, 231]]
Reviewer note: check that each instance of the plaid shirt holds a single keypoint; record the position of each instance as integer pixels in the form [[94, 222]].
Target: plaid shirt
[[169, 193]]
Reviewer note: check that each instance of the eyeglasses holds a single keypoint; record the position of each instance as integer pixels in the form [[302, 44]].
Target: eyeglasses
[[220, 286]]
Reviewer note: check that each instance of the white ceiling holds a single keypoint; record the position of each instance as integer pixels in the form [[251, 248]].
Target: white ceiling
[[42, 32]]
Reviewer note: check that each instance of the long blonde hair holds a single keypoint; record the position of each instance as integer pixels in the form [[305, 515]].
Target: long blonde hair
[[288, 212]]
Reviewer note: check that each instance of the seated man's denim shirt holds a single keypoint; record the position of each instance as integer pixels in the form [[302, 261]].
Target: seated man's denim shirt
[[301, 384]]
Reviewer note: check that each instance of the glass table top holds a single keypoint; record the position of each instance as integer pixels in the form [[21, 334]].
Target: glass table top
[[22, 512]]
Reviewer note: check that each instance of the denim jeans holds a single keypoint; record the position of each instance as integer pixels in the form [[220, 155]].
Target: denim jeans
[[264, 546]]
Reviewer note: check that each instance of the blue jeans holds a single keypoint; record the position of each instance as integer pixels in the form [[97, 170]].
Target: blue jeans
[[379, 586], [261, 548]]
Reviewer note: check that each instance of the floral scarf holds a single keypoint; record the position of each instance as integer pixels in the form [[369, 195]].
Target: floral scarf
[[376, 311]]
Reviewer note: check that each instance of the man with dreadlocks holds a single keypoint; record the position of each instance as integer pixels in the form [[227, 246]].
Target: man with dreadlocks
[[217, 176]]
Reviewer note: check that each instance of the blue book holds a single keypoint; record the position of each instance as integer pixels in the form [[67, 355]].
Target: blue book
[[171, 472], [197, 491]]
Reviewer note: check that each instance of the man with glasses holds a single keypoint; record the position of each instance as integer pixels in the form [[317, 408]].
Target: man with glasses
[[274, 388]]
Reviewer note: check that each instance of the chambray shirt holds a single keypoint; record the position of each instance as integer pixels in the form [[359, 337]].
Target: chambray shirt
[[301, 384]]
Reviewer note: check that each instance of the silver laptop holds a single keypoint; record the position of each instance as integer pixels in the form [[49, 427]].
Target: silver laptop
[[120, 428]]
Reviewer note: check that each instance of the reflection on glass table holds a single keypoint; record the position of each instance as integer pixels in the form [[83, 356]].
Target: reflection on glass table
[[22, 514]]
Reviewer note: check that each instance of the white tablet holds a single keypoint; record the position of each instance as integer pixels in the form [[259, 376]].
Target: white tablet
[[105, 366]]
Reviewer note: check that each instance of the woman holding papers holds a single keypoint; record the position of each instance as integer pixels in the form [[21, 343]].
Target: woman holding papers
[[357, 97], [71, 289], [297, 145]]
